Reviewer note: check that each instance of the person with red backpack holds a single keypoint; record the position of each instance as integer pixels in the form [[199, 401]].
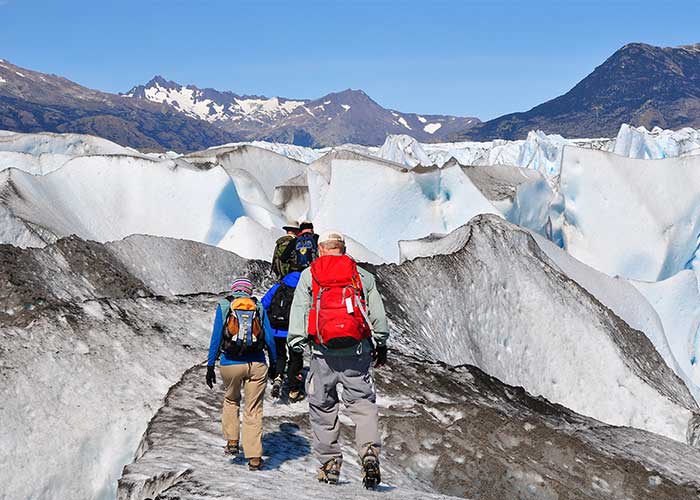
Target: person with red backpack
[[278, 305], [240, 335], [338, 308]]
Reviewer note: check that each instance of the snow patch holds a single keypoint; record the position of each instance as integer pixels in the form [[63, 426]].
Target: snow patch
[[431, 128], [403, 122]]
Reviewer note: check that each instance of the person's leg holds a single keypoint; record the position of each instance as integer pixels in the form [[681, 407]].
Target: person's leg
[[281, 348], [294, 376], [232, 375], [359, 396], [254, 392], [323, 409]]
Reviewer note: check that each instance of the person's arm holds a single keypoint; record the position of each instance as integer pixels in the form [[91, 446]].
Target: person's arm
[[298, 336], [215, 341], [375, 307], [269, 337], [267, 298]]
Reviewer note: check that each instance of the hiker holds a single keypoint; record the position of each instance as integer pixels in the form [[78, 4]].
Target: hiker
[[278, 304], [348, 329], [303, 250], [240, 334], [279, 267]]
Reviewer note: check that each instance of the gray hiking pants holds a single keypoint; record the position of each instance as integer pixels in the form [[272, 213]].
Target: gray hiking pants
[[359, 396]]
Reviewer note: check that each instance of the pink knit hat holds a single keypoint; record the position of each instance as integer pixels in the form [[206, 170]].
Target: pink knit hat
[[242, 285]]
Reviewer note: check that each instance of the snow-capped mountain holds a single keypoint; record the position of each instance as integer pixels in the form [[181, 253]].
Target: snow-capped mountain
[[639, 84], [214, 106], [38, 102], [350, 116]]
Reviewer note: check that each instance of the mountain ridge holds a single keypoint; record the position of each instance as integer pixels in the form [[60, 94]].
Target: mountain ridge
[[31, 101], [335, 118], [639, 84]]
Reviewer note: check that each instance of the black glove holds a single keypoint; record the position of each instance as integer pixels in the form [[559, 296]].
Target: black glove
[[379, 355], [211, 377]]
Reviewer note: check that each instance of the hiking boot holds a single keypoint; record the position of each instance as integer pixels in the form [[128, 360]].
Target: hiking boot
[[231, 448], [329, 472], [255, 463], [296, 396], [371, 476], [277, 386]]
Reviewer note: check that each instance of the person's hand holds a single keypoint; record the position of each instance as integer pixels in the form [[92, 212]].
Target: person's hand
[[379, 355], [211, 377]]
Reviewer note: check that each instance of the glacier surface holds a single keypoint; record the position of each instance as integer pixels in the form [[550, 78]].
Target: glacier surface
[[606, 325]]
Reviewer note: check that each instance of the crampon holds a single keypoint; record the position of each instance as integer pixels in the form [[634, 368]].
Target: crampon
[[371, 476], [329, 472]]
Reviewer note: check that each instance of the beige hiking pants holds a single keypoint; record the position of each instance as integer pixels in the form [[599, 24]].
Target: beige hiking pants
[[252, 377]]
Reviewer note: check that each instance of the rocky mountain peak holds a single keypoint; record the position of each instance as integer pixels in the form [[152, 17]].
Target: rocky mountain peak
[[639, 84]]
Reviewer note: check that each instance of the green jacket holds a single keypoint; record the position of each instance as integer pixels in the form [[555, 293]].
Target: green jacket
[[280, 268], [298, 336]]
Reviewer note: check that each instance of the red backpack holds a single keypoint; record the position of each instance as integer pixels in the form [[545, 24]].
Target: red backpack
[[338, 315]]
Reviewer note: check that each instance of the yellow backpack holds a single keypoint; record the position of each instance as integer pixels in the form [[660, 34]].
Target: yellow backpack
[[243, 331]]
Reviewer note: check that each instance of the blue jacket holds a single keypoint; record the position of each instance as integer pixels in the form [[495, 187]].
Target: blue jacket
[[290, 280], [217, 331]]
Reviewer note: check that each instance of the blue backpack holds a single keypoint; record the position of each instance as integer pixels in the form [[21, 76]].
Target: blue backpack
[[306, 250]]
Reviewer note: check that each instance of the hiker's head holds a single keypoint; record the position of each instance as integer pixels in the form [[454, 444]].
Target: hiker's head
[[331, 243], [242, 285], [306, 227], [292, 229]]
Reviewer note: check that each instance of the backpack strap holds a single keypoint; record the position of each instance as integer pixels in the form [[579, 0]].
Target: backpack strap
[[361, 296], [316, 305]]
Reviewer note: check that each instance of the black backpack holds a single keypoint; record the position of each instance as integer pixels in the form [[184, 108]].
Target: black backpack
[[280, 307], [306, 250]]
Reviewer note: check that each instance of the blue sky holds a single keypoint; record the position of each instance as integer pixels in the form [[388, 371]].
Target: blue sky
[[482, 58]]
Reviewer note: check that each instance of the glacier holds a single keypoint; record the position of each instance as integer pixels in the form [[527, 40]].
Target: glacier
[[429, 201], [92, 341], [448, 433], [106, 288], [539, 151], [110, 197], [501, 322], [566, 269], [651, 209]]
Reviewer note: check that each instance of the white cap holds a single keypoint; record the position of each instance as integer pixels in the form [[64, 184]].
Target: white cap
[[331, 236]]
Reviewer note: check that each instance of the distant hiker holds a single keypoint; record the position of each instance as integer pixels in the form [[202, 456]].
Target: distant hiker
[[279, 267], [302, 252], [240, 334], [345, 318], [278, 304]]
